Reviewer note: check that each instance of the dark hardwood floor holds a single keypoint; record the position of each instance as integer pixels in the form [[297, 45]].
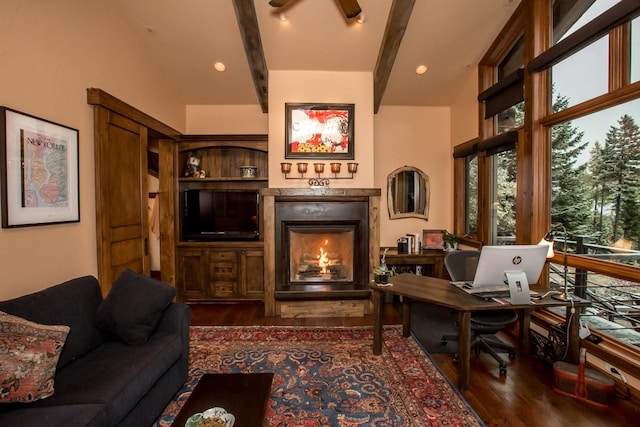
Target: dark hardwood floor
[[522, 397]]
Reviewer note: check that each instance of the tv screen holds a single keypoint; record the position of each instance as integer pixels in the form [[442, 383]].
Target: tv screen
[[220, 215]]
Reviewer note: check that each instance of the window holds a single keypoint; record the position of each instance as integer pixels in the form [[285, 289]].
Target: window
[[471, 192], [576, 161], [583, 75], [503, 198], [635, 50]]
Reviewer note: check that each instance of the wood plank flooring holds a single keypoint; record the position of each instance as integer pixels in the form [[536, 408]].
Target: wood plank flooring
[[522, 397]]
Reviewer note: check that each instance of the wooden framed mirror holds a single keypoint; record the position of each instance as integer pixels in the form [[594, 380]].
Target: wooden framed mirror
[[408, 193]]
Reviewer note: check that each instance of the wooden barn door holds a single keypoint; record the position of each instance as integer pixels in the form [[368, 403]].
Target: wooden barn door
[[121, 139], [121, 185]]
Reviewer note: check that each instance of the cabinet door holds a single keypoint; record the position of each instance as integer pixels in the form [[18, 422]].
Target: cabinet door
[[223, 273], [192, 274], [253, 274]]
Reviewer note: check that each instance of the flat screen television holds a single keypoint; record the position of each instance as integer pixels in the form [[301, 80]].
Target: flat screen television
[[210, 215]]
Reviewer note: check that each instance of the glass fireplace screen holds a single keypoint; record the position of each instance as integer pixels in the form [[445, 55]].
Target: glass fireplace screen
[[321, 255]]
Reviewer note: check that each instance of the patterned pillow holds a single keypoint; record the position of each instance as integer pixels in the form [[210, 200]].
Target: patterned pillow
[[29, 354]]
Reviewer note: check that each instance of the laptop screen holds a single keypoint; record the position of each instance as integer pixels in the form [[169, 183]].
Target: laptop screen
[[495, 260]]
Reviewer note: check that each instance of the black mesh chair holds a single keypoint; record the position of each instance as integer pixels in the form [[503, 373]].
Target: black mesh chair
[[461, 266]]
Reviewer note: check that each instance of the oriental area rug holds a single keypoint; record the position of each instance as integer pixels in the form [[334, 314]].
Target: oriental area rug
[[329, 376]]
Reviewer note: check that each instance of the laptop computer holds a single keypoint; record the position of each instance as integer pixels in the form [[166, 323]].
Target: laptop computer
[[499, 265]]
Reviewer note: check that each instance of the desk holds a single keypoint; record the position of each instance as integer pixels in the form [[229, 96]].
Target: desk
[[431, 260], [441, 292]]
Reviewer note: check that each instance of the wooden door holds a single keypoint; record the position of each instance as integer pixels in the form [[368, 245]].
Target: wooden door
[[121, 185]]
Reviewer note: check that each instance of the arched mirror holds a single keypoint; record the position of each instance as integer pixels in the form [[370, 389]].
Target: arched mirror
[[408, 193]]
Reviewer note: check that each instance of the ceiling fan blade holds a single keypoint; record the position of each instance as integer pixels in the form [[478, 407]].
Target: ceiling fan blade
[[350, 8], [278, 3]]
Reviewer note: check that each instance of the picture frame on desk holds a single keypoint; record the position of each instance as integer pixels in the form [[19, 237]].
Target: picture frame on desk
[[433, 239]]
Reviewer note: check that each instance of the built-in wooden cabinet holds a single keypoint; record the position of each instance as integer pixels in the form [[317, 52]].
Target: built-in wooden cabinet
[[211, 272], [219, 270]]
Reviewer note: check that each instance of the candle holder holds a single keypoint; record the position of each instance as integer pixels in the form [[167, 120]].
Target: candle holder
[[285, 167], [318, 168]]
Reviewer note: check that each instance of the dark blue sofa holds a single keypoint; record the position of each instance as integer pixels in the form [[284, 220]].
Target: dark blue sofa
[[100, 380]]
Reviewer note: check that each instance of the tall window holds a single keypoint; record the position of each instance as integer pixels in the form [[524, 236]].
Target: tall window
[[471, 193], [635, 50], [576, 160], [503, 198]]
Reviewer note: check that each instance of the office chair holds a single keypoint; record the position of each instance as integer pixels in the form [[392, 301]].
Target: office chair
[[461, 266]]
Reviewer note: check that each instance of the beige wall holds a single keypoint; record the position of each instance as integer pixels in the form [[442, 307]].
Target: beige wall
[[464, 110], [50, 53], [226, 119], [419, 137], [325, 87]]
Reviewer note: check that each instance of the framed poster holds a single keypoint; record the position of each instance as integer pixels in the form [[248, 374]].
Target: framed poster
[[319, 131], [39, 166], [433, 239]]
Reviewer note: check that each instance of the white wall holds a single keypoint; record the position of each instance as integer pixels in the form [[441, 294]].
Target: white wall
[[50, 53]]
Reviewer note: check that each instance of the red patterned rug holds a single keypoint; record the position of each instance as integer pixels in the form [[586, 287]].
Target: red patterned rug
[[329, 376]]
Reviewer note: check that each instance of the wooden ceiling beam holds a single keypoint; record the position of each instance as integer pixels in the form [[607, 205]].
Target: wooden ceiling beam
[[394, 32], [250, 32]]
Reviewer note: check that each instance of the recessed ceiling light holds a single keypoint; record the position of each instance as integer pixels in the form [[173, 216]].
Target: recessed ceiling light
[[282, 16], [361, 19], [219, 66], [421, 69]]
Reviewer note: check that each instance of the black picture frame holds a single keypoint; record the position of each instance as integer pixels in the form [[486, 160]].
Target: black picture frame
[[319, 131], [39, 166]]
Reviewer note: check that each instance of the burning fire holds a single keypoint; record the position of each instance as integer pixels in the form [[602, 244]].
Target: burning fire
[[323, 259]]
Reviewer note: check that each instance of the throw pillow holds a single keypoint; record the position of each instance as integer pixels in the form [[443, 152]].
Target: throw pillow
[[134, 306], [29, 354]]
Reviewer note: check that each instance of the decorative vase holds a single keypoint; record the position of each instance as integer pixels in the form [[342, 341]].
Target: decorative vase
[[383, 279]]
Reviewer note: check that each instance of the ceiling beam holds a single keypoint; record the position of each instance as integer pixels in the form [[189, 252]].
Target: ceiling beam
[[394, 32], [250, 32]]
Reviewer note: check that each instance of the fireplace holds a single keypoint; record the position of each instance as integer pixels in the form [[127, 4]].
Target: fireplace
[[324, 247], [321, 255], [320, 245]]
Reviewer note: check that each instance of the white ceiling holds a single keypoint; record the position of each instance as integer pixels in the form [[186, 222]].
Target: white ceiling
[[187, 37]]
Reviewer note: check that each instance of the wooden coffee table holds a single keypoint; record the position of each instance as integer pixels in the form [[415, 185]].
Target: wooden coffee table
[[243, 395]]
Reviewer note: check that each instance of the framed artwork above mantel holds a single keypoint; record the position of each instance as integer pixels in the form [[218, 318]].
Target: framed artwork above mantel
[[319, 131]]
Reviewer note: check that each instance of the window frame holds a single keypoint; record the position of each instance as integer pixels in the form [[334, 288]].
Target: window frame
[[533, 19]]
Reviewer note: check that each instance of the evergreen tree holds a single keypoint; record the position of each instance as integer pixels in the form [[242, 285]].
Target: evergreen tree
[[594, 180], [570, 203], [621, 173]]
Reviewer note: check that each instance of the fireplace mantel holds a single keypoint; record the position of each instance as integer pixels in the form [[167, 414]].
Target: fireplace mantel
[[271, 196]]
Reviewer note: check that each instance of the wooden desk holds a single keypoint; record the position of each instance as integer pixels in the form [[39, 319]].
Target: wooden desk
[[441, 292], [431, 260]]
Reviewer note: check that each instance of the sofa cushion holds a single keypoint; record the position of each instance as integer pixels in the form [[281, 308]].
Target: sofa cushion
[[29, 353], [85, 415], [134, 307], [116, 374], [72, 303]]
